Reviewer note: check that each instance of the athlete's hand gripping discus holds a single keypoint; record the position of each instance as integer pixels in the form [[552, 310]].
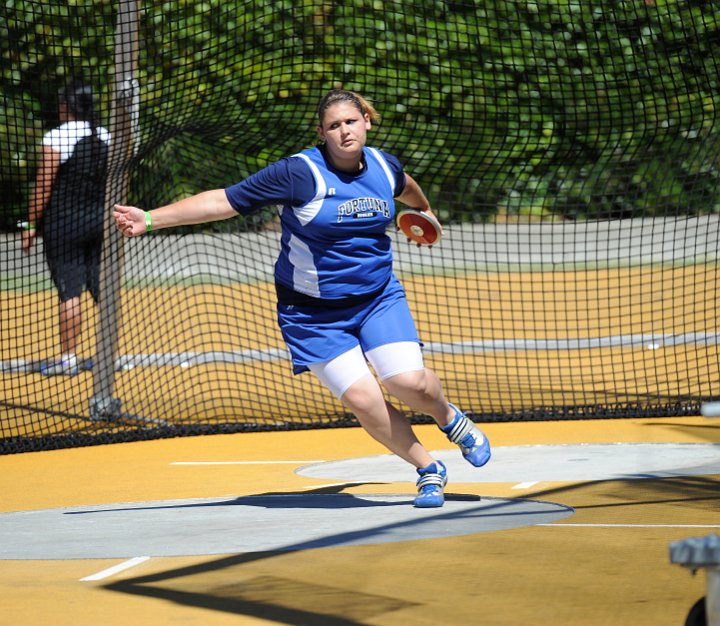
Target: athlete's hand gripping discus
[[418, 226]]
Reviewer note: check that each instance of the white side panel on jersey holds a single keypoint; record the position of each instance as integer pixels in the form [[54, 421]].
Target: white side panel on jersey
[[386, 168], [305, 275], [308, 212]]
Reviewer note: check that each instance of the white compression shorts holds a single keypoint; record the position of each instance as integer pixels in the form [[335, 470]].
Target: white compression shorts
[[387, 361]]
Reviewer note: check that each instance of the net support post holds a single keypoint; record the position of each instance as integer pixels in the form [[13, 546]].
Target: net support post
[[702, 553], [123, 128]]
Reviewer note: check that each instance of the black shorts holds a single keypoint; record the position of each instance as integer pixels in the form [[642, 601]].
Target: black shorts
[[74, 261]]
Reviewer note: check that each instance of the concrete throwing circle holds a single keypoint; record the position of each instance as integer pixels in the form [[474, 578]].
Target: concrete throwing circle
[[543, 463], [255, 524]]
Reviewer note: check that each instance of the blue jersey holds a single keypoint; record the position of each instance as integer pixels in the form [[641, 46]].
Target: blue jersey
[[333, 243]]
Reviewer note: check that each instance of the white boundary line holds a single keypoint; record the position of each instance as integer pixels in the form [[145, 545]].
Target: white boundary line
[[189, 359], [525, 485], [246, 462], [326, 485], [559, 525], [120, 567]]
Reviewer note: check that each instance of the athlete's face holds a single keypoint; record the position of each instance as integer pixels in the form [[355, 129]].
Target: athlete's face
[[344, 130]]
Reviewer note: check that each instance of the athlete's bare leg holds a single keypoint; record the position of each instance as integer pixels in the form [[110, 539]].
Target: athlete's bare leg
[[422, 391], [70, 325], [384, 422]]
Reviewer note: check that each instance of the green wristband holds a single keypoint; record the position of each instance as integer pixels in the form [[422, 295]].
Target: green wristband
[[148, 221]]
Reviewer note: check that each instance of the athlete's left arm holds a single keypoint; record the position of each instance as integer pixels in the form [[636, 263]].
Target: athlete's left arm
[[414, 197], [411, 194]]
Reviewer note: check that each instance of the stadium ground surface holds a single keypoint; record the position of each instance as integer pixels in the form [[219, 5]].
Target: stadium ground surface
[[569, 524]]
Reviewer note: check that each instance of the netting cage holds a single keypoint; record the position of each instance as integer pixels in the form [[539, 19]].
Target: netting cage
[[570, 149]]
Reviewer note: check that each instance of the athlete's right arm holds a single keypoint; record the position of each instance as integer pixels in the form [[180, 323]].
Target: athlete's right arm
[[44, 181], [208, 206]]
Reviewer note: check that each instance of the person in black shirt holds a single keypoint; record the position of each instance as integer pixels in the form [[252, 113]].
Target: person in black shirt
[[67, 208]]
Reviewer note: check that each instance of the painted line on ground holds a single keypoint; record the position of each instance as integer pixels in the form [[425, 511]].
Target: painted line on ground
[[120, 567], [246, 462], [242, 357], [327, 485], [632, 525], [525, 485]]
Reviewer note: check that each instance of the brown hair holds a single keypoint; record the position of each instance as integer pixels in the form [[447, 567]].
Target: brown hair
[[344, 95]]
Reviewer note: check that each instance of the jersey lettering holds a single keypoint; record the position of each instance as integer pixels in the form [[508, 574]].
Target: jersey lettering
[[362, 208]]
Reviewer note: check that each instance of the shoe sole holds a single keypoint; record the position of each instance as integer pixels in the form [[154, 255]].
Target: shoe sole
[[485, 454], [429, 504]]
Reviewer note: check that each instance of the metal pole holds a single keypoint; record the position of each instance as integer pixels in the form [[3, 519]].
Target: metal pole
[[123, 121], [702, 553], [712, 597]]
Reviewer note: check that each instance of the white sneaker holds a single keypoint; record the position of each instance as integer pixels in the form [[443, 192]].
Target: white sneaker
[[67, 366]]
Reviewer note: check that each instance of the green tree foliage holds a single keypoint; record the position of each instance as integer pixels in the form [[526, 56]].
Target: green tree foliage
[[42, 45], [510, 109]]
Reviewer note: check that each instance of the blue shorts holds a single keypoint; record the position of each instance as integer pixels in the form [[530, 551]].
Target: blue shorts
[[317, 335]]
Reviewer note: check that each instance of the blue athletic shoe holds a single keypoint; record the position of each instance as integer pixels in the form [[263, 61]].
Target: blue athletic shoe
[[473, 443], [433, 479]]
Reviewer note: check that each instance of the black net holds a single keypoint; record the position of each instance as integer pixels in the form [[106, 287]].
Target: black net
[[570, 149]]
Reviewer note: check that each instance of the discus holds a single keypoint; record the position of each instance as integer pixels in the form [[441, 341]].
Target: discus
[[419, 226]]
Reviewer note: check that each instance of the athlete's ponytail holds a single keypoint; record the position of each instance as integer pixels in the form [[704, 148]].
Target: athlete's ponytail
[[78, 97]]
